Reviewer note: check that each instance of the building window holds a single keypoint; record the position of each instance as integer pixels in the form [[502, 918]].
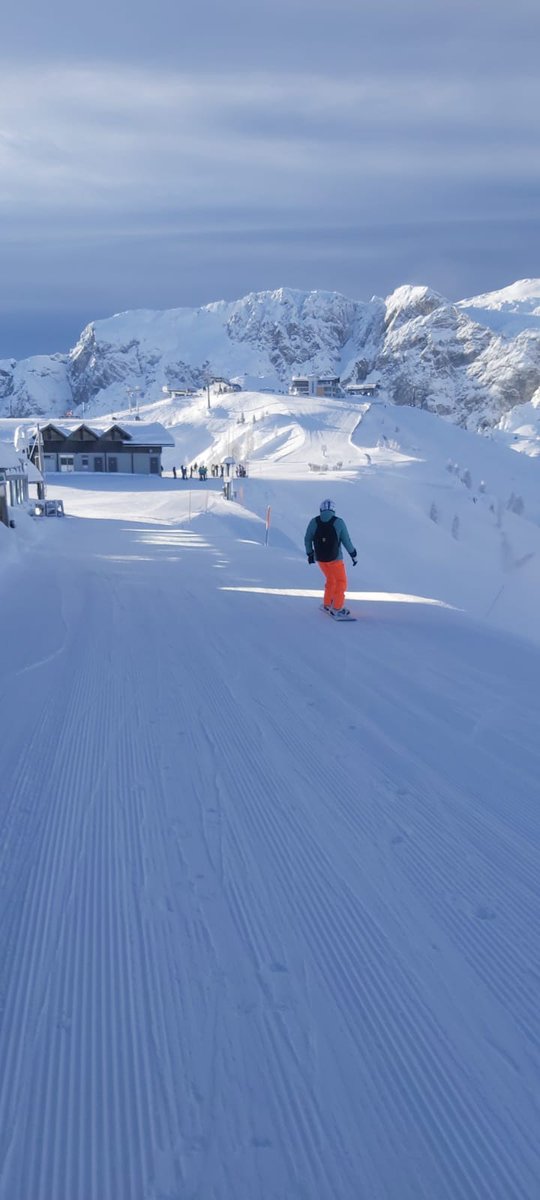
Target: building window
[[66, 462], [85, 462], [18, 490]]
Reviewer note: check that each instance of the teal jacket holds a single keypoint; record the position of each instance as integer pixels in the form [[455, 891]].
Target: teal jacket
[[341, 530]]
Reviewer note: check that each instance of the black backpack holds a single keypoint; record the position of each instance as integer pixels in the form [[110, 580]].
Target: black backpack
[[325, 541]]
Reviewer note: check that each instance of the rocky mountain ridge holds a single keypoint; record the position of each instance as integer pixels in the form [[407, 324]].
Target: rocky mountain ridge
[[472, 361]]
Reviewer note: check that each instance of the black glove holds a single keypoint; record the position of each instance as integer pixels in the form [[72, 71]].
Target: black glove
[[354, 559], [311, 557]]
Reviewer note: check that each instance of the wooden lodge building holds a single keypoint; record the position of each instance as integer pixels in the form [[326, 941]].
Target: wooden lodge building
[[134, 449]]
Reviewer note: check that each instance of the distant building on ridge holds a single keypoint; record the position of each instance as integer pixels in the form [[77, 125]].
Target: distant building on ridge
[[316, 385], [361, 389]]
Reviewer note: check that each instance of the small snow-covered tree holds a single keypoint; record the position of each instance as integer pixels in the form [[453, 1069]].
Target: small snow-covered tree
[[455, 528], [482, 486], [466, 478], [434, 513]]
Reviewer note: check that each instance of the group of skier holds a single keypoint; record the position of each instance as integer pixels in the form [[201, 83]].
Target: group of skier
[[217, 471], [191, 472]]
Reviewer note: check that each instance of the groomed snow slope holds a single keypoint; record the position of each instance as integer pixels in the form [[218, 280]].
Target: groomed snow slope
[[269, 884]]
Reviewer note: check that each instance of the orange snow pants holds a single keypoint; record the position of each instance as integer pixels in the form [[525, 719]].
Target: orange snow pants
[[336, 582]]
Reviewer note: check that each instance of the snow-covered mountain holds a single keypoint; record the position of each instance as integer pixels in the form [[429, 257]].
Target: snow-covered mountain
[[472, 361], [510, 311]]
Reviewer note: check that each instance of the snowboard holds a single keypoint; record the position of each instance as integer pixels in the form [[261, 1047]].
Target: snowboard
[[334, 615]]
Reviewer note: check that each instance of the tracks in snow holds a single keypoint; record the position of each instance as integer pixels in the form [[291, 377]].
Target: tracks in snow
[[234, 965]]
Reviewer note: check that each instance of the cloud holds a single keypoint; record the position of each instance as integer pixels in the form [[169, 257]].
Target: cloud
[[280, 34], [117, 139], [128, 184]]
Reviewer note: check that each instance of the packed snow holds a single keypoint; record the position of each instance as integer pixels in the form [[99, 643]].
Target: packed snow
[[269, 919]]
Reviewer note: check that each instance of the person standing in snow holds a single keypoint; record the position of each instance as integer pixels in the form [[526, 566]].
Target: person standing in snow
[[325, 535]]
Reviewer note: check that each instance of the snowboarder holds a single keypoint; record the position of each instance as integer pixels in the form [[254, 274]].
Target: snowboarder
[[325, 535]]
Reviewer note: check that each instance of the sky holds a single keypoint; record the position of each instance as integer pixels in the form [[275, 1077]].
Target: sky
[[181, 153]]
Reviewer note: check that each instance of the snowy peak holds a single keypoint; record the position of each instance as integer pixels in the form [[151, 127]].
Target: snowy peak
[[524, 293], [298, 330], [37, 385], [409, 302], [509, 311]]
